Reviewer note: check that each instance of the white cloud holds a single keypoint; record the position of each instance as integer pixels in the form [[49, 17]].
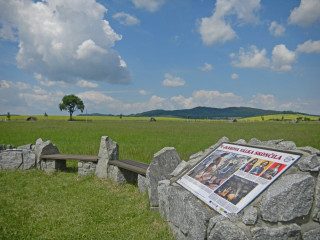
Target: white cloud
[[254, 58], [63, 40], [215, 29], [150, 5], [206, 67], [309, 47], [282, 58], [126, 19], [209, 99], [144, 92], [171, 81], [263, 101], [276, 29], [86, 84], [306, 14], [234, 76]]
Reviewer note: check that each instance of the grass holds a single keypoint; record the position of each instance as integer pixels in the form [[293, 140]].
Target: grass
[[35, 205]]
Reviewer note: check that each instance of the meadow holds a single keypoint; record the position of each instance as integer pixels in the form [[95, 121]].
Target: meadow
[[35, 205]]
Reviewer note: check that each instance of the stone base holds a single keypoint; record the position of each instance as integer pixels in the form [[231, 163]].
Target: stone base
[[122, 176], [53, 165], [86, 168]]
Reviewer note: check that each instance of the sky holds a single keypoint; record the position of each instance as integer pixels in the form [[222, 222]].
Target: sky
[[131, 56]]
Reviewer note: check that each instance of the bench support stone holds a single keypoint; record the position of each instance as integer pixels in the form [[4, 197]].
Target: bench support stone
[[86, 168]]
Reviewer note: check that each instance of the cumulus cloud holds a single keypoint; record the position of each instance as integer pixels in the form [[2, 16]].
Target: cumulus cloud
[[86, 84], [144, 92], [171, 81], [63, 40], [126, 19], [276, 29], [20, 97], [216, 29], [282, 58], [234, 76], [266, 101], [254, 58], [206, 67], [306, 14], [149, 5], [309, 47], [209, 99]]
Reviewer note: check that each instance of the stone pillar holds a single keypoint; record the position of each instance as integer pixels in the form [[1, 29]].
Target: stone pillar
[[86, 168], [47, 148], [109, 150], [162, 164]]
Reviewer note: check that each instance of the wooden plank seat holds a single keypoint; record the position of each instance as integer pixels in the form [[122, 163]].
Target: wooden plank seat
[[131, 165], [86, 158]]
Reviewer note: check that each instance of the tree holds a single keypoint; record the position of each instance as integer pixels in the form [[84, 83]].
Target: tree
[[71, 103], [8, 115], [45, 115]]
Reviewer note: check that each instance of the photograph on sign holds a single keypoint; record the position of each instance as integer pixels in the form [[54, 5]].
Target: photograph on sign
[[233, 175]]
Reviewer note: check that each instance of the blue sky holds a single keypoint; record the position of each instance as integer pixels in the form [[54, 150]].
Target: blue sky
[[130, 56]]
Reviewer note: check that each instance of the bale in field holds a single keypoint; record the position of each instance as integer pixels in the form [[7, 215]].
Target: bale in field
[[31, 118], [152, 119]]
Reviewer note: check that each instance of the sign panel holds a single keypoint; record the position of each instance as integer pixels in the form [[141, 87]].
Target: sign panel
[[233, 175]]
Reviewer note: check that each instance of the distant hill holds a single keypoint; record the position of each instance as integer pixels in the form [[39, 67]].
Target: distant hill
[[212, 113]]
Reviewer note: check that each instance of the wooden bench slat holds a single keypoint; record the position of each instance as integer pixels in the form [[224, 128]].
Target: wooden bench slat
[[135, 163], [70, 157], [130, 167]]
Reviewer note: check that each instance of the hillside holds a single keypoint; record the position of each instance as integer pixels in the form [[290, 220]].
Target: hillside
[[207, 112]]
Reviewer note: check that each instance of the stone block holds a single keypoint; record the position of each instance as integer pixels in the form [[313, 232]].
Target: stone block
[[11, 160], [164, 199], [316, 209], [162, 164], [254, 141], [288, 232], [86, 168], [212, 222], [286, 145], [288, 198], [109, 150], [29, 159], [312, 235], [226, 230], [309, 163], [45, 148], [250, 215]]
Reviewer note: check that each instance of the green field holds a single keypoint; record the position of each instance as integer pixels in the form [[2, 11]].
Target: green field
[[35, 205]]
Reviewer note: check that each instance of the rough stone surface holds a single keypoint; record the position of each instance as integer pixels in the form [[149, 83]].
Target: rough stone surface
[[309, 163], [86, 168], [289, 232], [142, 184], [310, 150], [221, 140], [122, 176], [316, 210], [11, 160], [45, 148], [162, 164], [164, 199], [50, 166], [254, 141], [179, 169], [226, 230], [241, 141], [29, 159], [26, 147], [250, 215], [177, 233], [196, 155], [213, 221], [286, 145], [288, 198], [109, 150], [312, 235], [271, 143]]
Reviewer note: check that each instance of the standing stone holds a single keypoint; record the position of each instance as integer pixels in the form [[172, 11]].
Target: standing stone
[[288, 232], [316, 210], [142, 184], [109, 150], [46, 148], [226, 230], [164, 199], [162, 164], [26, 147], [288, 198], [121, 176], [254, 141]]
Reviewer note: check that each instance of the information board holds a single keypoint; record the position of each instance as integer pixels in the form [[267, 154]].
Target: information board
[[233, 175]]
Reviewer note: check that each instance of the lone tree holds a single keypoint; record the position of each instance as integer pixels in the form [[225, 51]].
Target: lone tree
[[71, 103]]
